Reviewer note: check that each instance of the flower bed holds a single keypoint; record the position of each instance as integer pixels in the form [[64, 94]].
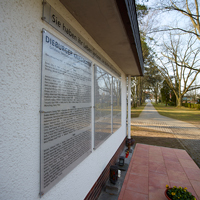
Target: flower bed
[[178, 193]]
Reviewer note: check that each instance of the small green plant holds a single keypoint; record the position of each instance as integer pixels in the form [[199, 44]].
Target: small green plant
[[179, 193]]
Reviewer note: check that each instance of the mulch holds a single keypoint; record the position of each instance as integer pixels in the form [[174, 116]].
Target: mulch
[[152, 137]]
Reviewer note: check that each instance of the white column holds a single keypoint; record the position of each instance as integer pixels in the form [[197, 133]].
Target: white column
[[112, 107], [93, 107], [129, 106], [135, 91]]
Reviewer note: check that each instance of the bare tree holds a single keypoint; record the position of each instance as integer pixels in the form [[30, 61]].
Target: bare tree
[[187, 8], [193, 15], [174, 57]]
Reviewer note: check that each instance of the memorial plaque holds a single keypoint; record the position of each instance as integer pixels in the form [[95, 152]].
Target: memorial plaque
[[103, 89], [65, 110]]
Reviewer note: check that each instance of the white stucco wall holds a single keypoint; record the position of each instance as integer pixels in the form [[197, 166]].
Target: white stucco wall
[[20, 73]]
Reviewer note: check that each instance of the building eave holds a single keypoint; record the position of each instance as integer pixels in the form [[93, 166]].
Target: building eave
[[113, 25]]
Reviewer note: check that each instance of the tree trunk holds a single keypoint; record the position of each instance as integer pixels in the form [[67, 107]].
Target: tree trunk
[[179, 101], [156, 92], [156, 98]]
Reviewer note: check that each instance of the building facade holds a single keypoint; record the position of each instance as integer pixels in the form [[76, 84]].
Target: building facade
[[64, 68]]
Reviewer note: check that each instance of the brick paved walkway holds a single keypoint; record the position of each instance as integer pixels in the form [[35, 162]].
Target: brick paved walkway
[[186, 133], [152, 168]]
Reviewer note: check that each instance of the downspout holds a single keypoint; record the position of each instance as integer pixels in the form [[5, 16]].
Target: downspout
[[129, 107]]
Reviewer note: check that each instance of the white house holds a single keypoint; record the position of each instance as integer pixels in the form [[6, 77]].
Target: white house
[[64, 67]]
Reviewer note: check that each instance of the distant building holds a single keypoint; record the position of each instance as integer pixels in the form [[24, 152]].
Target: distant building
[[188, 99]]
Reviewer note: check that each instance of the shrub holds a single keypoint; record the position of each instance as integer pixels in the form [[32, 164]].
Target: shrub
[[171, 103]]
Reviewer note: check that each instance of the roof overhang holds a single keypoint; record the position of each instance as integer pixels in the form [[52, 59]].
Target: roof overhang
[[109, 24]]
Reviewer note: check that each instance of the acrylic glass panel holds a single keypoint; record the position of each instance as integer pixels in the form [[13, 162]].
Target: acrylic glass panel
[[116, 91], [103, 84], [65, 110]]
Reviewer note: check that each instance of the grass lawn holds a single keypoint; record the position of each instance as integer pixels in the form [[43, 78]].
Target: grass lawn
[[135, 112], [190, 115]]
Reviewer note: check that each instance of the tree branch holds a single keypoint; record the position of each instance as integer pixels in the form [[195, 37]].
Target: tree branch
[[174, 29]]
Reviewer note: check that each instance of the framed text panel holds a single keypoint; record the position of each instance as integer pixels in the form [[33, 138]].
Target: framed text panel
[[65, 110]]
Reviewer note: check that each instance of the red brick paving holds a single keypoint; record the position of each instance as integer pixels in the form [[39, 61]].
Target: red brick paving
[[152, 168]]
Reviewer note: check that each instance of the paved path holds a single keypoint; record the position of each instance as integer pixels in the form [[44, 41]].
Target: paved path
[[152, 168], [186, 133]]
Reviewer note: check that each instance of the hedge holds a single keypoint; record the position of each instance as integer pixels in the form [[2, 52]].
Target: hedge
[[191, 105]]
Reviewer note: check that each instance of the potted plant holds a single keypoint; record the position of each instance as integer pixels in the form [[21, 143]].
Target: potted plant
[[178, 193]]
